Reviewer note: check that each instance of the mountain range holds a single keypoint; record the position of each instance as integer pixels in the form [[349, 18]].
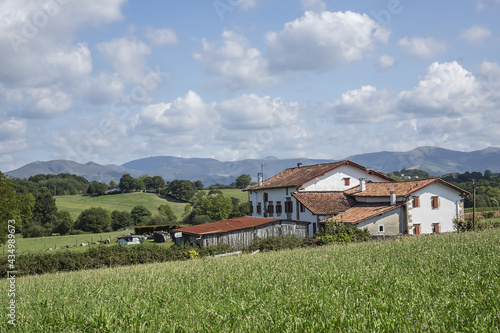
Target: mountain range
[[437, 161]]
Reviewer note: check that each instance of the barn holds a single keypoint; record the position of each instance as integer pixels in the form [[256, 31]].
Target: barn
[[239, 232]]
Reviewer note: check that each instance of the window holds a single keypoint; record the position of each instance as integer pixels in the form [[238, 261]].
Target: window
[[416, 202], [417, 229], [266, 197], [251, 207], [435, 202], [270, 207], [435, 228], [288, 207], [314, 228], [381, 228], [279, 208], [259, 208], [347, 181], [302, 208]]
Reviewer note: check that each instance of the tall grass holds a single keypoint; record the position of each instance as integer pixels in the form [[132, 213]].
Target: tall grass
[[437, 283]]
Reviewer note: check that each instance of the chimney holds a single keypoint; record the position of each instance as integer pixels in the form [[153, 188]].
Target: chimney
[[393, 198], [299, 165], [362, 185], [259, 178]]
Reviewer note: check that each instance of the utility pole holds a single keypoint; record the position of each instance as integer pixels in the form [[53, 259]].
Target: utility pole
[[473, 204]]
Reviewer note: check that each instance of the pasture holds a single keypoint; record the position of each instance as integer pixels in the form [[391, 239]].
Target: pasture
[[435, 283], [233, 192], [75, 204]]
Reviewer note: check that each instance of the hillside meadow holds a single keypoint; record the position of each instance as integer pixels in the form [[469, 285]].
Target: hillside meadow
[[75, 204], [437, 283]]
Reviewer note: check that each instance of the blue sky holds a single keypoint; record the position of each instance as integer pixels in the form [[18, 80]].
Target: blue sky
[[110, 81]]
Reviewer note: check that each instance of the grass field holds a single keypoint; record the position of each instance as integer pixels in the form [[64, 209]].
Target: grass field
[[75, 204], [437, 283], [38, 244]]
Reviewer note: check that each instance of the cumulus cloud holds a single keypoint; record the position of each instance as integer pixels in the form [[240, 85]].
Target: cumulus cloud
[[46, 102], [161, 36], [127, 56], [425, 48], [254, 112], [447, 88], [236, 62], [185, 114], [245, 4], [363, 105], [386, 62], [322, 41], [475, 35]]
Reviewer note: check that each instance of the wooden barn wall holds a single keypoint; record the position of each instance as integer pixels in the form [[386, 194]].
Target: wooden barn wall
[[239, 239]]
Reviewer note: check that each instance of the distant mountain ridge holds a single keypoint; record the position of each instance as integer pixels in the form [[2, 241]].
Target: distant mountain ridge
[[437, 161]]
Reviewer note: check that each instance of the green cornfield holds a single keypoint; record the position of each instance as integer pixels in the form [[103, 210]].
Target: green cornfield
[[435, 283]]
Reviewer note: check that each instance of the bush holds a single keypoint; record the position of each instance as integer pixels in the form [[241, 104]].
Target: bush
[[95, 219], [276, 243]]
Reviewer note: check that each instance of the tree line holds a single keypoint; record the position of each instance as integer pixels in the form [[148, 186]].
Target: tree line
[[31, 203]]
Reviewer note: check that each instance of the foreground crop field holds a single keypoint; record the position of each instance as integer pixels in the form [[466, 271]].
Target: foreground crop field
[[75, 204], [439, 283]]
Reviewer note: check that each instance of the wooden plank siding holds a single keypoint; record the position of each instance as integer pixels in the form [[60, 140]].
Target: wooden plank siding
[[239, 239]]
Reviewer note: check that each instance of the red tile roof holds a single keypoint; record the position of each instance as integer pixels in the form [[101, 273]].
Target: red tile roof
[[237, 223], [365, 211], [324, 203], [295, 177], [402, 189]]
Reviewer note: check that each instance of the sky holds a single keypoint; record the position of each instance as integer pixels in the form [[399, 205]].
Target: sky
[[111, 81]]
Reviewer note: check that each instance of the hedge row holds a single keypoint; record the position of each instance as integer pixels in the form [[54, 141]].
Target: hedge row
[[149, 229], [103, 256]]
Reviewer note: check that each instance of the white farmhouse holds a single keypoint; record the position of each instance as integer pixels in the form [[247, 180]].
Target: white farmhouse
[[354, 194]]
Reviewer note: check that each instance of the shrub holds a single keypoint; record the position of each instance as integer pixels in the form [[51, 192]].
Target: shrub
[[276, 243]]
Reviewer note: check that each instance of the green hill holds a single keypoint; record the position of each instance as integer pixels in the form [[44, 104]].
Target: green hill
[[75, 204]]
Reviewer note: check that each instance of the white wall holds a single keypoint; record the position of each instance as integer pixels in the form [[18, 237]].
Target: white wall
[[334, 180], [450, 205], [276, 194]]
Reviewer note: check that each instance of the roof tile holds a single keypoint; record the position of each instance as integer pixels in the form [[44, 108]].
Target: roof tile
[[324, 203], [364, 211], [237, 223]]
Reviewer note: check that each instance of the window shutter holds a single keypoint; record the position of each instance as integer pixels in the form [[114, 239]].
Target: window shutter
[[436, 228], [435, 202], [347, 181], [416, 202], [417, 230], [251, 207], [265, 196]]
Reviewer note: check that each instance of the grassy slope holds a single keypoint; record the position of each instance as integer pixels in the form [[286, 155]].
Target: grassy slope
[[74, 204], [445, 283]]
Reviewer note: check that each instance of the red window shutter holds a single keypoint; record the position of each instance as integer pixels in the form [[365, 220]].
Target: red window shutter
[[416, 202], [436, 229], [417, 230], [347, 181], [435, 202], [291, 207]]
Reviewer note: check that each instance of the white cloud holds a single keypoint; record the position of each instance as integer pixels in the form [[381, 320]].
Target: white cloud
[[425, 48], [238, 65], [185, 114], [314, 5], [12, 129], [447, 88], [46, 102], [363, 105], [104, 88], [475, 35], [127, 56], [74, 62], [322, 41], [161, 36], [254, 112], [386, 61]]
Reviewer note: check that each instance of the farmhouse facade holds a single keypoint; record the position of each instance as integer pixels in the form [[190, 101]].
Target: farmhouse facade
[[351, 193], [239, 232]]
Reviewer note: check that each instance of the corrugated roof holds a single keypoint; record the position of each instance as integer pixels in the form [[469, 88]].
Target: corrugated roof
[[237, 223], [324, 203], [295, 177], [364, 211], [403, 189]]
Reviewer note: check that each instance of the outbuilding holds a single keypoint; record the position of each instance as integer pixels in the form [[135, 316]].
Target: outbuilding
[[239, 232]]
